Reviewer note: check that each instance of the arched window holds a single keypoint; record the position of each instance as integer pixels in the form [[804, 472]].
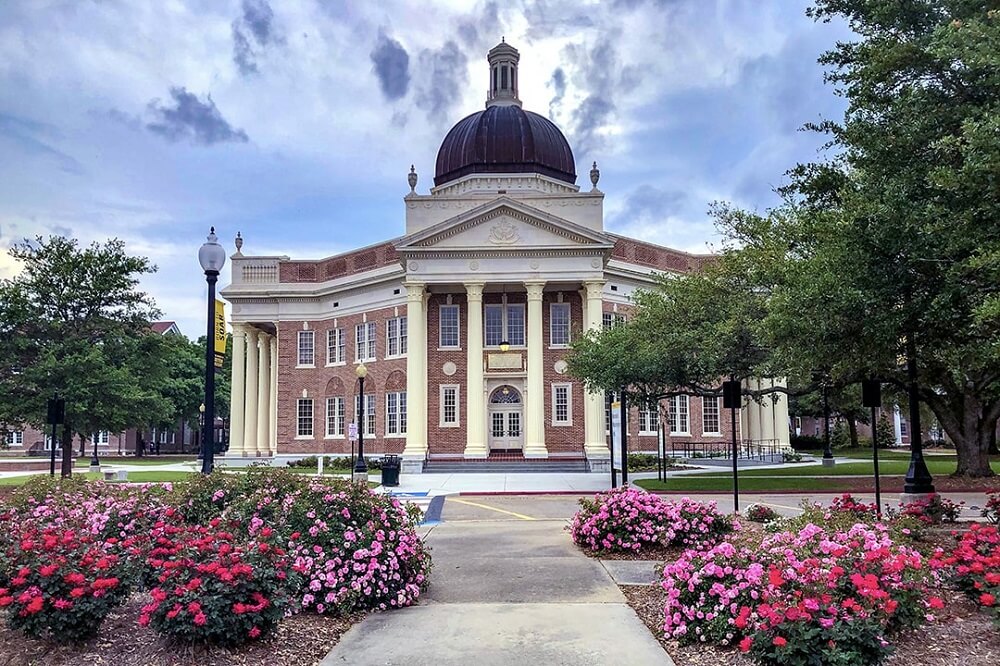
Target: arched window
[[505, 395]]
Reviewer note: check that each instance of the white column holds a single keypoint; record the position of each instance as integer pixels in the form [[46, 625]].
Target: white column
[[767, 412], [263, 393], [273, 393], [237, 404], [782, 427], [416, 383], [534, 407], [595, 444], [250, 423], [475, 404]]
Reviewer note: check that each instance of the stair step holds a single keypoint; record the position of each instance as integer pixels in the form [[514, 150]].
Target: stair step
[[505, 466]]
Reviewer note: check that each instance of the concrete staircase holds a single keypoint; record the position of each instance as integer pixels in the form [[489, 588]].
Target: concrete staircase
[[506, 466]]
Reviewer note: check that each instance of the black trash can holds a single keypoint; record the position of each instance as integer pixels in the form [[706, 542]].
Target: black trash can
[[390, 470]]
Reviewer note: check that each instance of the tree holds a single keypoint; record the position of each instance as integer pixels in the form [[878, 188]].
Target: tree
[[74, 322]]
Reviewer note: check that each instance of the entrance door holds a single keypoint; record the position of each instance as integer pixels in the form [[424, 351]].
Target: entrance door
[[505, 420]]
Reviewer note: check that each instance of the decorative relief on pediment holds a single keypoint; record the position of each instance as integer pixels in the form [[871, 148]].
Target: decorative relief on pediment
[[504, 233]]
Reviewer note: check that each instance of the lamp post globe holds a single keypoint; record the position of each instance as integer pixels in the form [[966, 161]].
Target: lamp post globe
[[212, 258], [360, 466]]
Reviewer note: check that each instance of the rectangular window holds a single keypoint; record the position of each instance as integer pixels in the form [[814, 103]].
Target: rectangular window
[[15, 438], [679, 421], [448, 327], [335, 346], [504, 324], [395, 337], [562, 412], [612, 319], [449, 406], [304, 417], [559, 324], [364, 341], [102, 437], [648, 419], [493, 325], [335, 417], [710, 421], [515, 325], [904, 428], [369, 421], [395, 413], [306, 348]]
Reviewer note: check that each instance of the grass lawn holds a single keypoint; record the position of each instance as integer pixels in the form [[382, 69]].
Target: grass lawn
[[892, 467], [725, 484], [133, 477], [151, 461]]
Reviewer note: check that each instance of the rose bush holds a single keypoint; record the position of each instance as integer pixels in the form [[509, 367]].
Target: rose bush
[[759, 513], [974, 565], [933, 509], [991, 512], [629, 520]]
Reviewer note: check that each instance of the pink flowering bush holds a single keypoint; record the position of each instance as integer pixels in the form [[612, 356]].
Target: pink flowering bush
[[761, 513], [933, 509], [793, 593], [629, 520], [213, 588]]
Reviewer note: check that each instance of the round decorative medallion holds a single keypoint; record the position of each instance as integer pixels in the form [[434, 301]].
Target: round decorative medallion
[[561, 367], [473, 265], [595, 263], [237, 309], [534, 264], [449, 368], [412, 266]]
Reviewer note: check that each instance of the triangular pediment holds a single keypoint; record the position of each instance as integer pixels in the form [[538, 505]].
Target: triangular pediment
[[504, 223]]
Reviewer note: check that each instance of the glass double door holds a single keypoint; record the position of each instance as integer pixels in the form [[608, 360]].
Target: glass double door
[[505, 429]]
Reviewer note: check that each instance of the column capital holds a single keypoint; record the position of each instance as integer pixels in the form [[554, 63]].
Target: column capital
[[414, 291], [594, 288], [252, 332], [474, 290], [534, 290], [239, 327]]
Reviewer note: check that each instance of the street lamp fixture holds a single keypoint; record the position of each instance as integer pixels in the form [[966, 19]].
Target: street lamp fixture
[[212, 258], [360, 466]]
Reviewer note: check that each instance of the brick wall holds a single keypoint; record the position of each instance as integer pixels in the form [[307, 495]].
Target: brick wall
[[33, 443], [562, 439], [446, 440]]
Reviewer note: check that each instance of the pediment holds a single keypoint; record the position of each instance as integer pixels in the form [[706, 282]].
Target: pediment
[[503, 224]]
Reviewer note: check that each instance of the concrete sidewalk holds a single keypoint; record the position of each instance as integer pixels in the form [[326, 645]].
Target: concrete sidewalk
[[506, 593]]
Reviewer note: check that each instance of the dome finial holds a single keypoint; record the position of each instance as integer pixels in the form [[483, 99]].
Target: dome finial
[[503, 59], [595, 175], [412, 180]]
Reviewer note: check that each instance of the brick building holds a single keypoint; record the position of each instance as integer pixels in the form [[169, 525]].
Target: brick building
[[463, 323]]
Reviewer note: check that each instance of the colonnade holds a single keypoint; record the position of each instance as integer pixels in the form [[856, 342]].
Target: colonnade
[[254, 398]]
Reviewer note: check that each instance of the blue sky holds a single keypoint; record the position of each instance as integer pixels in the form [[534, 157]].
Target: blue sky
[[295, 122]]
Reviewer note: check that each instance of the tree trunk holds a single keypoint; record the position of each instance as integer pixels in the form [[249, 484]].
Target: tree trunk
[[973, 445], [67, 451], [852, 428]]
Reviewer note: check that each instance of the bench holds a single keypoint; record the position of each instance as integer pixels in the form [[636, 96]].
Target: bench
[[116, 475]]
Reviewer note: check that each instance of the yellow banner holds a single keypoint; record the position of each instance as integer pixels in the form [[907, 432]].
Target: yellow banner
[[220, 328]]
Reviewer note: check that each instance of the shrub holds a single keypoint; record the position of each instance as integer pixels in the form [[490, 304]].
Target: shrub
[[212, 588], [846, 504], [696, 524], [802, 642], [791, 456], [621, 520], [933, 510], [760, 513], [63, 585], [840, 436], [638, 462], [974, 565], [991, 512]]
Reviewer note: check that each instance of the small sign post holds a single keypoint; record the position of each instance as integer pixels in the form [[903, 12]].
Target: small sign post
[[616, 438], [352, 436]]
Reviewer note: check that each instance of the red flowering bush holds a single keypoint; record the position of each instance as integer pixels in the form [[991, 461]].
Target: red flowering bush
[[213, 588], [628, 520], [846, 504], [933, 509], [792, 593], [974, 565], [760, 513], [63, 584]]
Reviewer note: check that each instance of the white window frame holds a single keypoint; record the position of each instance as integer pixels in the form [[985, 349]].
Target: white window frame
[[309, 338], [364, 344], [458, 326], [336, 347], [611, 319], [442, 391], [505, 329], [556, 389], [395, 332], [336, 417], [300, 432], [14, 438], [369, 423], [102, 437], [649, 418], [552, 324], [675, 415], [706, 400], [397, 399]]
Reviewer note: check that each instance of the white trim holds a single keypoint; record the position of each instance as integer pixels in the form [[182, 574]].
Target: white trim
[[569, 324], [675, 415], [326, 416], [373, 328], [401, 414], [304, 335], [400, 323], [718, 402], [458, 414], [312, 418], [653, 409], [340, 344], [569, 404]]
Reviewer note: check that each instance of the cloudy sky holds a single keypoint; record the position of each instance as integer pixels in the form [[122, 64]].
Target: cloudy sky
[[296, 121]]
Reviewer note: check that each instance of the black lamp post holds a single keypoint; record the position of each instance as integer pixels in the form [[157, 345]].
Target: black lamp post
[[95, 462], [212, 258], [201, 425], [360, 466]]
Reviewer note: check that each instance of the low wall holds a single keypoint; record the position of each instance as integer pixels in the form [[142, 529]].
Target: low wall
[[25, 464]]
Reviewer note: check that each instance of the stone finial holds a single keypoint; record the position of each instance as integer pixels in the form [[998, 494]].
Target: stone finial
[[412, 180], [595, 175], [239, 243]]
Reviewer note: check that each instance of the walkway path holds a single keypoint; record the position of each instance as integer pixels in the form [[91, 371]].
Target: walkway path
[[507, 590]]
